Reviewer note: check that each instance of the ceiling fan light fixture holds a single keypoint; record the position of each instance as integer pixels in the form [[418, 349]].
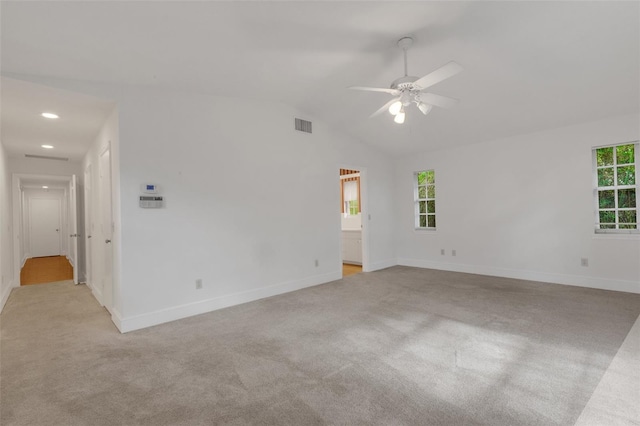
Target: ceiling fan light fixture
[[409, 89], [424, 108], [395, 108]]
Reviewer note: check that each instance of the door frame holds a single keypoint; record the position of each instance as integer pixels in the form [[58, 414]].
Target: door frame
[[19, 180], [106, 203], [88, 224], [364, 209]]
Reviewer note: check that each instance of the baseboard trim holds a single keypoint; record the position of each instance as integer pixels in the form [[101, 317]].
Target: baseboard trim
[[383, 264], [116, 318], [162, 316], [97, 294], [564, 279], [5, 295]]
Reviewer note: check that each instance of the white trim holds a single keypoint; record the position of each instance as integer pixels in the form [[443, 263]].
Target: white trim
[[161, 316], [116, 317], [5, 295], [383, 264], [352, 175], [608, 236], [615, 188], [553, 278], [96, 293]]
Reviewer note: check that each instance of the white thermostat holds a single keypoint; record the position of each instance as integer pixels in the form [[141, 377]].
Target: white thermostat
[[150, 188], [151, 202]]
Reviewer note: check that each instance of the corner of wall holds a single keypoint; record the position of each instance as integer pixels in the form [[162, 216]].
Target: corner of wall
[[383, 264], [5, 295]]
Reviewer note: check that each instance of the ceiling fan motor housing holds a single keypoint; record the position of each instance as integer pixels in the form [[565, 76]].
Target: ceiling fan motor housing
[[404, 83], [409, 92]]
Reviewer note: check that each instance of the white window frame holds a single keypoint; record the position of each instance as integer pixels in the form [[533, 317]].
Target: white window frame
[[615, 189], [418, 200]]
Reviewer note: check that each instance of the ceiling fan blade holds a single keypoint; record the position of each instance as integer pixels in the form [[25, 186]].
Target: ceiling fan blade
[[442, 73], [375, 89], [384, 107], [437, 100]]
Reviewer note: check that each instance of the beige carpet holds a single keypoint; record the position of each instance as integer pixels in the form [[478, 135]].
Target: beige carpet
[[401, 346]]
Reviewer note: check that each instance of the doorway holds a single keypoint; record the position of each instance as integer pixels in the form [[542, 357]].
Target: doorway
[[44, 226], [351, 221]]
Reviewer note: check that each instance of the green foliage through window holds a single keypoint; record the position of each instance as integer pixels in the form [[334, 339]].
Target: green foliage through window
[[425, 188], [353, 207], [616, 169]]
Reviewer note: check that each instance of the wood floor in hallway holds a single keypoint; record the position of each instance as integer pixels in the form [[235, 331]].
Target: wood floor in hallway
[[348, 269], [39, 270]]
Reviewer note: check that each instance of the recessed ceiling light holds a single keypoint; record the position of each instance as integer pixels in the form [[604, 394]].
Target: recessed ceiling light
[[49, 115], [45, 187], [47, 146]]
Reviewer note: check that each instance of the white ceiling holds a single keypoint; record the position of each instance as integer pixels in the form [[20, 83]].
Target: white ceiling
[[528, 66], [24, 130]]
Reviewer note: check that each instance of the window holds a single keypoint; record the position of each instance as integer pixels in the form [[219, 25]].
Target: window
[[350, 189], [615, 176], [352, 208], [425, 196]]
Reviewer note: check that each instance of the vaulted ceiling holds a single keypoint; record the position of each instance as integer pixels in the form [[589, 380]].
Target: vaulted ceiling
[[528, 66]]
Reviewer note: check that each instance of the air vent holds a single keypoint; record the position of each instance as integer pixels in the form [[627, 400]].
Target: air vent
[[303, 125], [46, 157]]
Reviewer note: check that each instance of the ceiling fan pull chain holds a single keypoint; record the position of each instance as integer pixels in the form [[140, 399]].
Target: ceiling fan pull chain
[[406, 73]]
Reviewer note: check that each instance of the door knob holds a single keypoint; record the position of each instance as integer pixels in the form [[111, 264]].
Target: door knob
[[88, 236], [107, 241]]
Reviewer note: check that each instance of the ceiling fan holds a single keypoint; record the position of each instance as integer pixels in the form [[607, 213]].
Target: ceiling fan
[[408, 89]]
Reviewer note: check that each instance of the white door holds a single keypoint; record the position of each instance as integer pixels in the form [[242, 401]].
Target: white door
[[88, 225], [73, 228], [106, 227], [44, 226]]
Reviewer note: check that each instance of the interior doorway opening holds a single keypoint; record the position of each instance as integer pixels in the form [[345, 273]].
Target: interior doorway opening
[[351, 221], [45, 227]]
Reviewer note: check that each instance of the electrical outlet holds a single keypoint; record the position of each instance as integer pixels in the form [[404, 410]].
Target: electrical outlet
[[198, 284], [453, 252], [584, 261], [442, 252], [317, 263]]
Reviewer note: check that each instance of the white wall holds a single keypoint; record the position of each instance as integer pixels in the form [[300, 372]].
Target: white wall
[[6, 230], [250, 203], [520, 207]]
